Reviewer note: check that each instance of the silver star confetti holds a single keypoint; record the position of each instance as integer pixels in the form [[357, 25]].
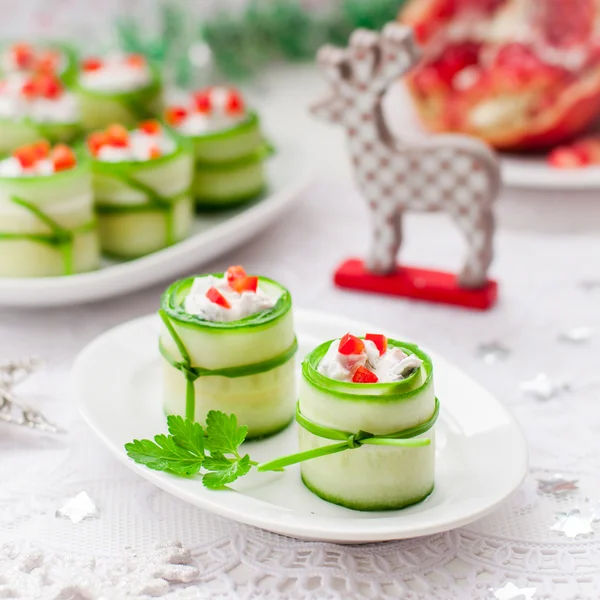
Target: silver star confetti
[[542, 387], [492, 352], [78, 508], [511, 592], [576, 335], [573, 523], [556, 484]]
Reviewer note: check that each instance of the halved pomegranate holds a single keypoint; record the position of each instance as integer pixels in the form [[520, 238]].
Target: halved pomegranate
[[522, 75]]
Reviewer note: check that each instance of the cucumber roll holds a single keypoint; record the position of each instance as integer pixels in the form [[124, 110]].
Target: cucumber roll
[[228, 344], [34, 106], [373, 398], [47, 223], [142, 188], [118, 89], [43, 57], [229, 146]]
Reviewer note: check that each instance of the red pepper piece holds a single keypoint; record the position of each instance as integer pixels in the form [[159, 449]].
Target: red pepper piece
[[154, 152], [244, 284], [235, 103], [117, 135], [49, 86], [362, 375], [23, 55], [41, 149], [26, 156], [379, 340], [63, 157], [350, 344], [175, 115], [235, 272], [95, 141], [150, 127], [203, 102], [214, 295], [92, 64], [30, 88], [136, 60]]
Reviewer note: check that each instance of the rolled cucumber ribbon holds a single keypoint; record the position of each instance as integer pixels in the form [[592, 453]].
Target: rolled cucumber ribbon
[[244, 367], [48, 226], [99, 108], [381, 472], [144, 206]]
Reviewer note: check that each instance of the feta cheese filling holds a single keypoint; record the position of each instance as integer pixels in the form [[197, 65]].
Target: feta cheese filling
[[141, 146], [14, 104], [116, 74], [241, 305], [12, 167], [392, 365]]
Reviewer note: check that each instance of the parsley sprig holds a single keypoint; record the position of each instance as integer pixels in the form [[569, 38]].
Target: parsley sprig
[[191, 449]]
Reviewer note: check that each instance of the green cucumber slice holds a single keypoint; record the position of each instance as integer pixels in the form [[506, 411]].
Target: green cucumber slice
[[230, 144], [47, 225], [100, 109], [223, 188], [25, 131], [144, 206], [263, 400], [372, 477]]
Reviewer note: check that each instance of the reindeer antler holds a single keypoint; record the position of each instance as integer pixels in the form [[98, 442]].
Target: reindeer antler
[[399, 53]]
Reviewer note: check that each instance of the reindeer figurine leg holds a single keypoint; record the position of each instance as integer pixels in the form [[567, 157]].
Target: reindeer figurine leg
[[386, 239]]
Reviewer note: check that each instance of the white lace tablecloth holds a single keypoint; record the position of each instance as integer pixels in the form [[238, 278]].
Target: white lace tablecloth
[[548, 244]]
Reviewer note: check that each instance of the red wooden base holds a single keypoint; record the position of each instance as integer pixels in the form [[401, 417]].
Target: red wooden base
[[419, 284]]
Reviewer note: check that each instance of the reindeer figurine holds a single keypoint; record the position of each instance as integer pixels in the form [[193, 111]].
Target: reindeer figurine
[[451, 173]]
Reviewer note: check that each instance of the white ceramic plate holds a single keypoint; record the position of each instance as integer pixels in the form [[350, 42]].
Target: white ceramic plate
[[213, 234], [481, 452]]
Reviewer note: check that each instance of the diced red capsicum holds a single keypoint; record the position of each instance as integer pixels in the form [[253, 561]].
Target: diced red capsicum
[[235, 103], [244, 284], [203, 102], [41, 149], [23, 55], [175, 114], [214, 295], [49, 86], [135, 60], [92, 64], [26, 156], [154, 152], [117, 135], [63, 157], [235, 272], [363, 375], [95, 141], [350, 344], [150, 127], [379, 340]]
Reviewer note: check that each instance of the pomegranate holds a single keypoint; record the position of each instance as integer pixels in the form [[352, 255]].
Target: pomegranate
[[521, 74]]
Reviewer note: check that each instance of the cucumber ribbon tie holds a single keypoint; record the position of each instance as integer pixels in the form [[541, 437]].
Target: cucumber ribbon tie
[[59, 236], [407, 438], [192, 373], [155, 201]]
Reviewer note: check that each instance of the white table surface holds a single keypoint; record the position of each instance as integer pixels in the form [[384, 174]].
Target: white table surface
[[547, 244]]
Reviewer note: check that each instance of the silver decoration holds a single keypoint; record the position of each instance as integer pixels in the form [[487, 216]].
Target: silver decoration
[[573, 524], [556, 484], [542, 387], [512, 592], [12, 411], [15, 371], [78, 508], [576, 335], [492, 352]]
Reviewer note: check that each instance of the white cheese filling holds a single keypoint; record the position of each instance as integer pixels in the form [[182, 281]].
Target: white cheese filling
[[242, 305], [13, 105], [139, 148], [116, 75], [11, 167], [391, 366]]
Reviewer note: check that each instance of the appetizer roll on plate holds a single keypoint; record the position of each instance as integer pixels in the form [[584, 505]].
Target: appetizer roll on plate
[[47, 224], [228, 143], [141, 179], [34, 106], [118, 89], [44, 57], [228, 344], [377, 393]]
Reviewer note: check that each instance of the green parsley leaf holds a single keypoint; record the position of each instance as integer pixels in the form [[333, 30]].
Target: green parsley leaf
[[223, 434], [187, 434], [223, 470], [163, 454]]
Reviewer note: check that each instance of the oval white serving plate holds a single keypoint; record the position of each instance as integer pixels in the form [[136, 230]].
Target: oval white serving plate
[[213, 233], [481, 451]]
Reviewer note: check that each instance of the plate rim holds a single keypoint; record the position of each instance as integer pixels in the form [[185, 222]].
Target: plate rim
[[303, 529]]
